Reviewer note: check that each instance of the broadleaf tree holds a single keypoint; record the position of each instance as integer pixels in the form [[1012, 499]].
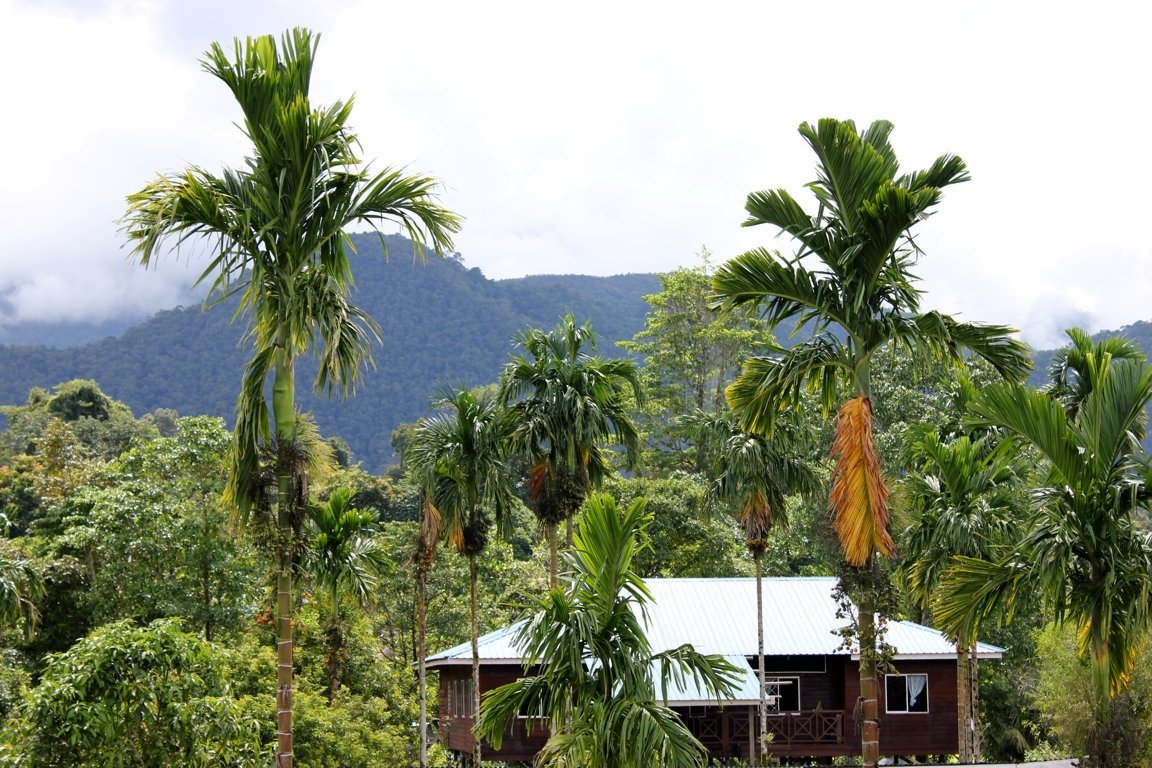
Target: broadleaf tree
[[689, 355]]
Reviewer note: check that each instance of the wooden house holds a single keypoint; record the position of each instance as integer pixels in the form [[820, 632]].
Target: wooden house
[[813, 681]]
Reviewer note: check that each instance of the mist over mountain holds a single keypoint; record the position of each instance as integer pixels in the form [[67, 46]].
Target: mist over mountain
[[442, 323]]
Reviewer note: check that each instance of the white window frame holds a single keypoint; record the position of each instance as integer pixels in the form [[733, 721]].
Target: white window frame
[[791, 680], [906, 709], [461, 694]]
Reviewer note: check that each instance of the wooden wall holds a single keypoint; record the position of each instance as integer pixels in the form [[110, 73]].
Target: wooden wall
[[912, 733], [931, 733], [522, 742]]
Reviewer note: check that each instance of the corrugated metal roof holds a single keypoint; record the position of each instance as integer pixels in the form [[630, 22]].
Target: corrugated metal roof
[[494, 646], [718, 616], [746, 690]]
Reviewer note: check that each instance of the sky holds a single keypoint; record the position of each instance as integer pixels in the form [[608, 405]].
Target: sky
[[608, 137]]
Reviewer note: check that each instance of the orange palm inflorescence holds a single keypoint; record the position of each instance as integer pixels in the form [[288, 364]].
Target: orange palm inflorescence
[[859, 498]]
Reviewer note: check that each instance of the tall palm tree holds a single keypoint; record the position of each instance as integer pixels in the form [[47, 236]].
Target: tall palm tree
[[425, 553], [567, 401], [276, 230], [597, 682], [1081, 551], [757, 474], [963, 499], [343, 559], [850, 281], [460, 456]]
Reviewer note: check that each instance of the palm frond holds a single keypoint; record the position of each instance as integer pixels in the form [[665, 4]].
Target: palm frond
[[597, 673], [972, 589], [766, 385], [782, 289], [945, 338], [1031, 416], [850, 170], [460, 457], [246, 489], [566, 403], [21, 590]]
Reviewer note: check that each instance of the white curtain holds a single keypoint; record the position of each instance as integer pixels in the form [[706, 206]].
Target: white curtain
[[916, 686]]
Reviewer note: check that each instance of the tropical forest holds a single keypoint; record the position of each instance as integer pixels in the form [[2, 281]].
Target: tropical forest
[[236, 534]]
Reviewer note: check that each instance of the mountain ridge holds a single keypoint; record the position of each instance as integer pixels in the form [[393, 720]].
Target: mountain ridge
[[443, 324]]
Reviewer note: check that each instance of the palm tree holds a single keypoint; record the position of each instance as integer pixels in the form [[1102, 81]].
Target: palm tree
[[963, 499], [597, 679], [1081, 551], [1076, 368], [756, 474], [850, 282], [21, 587], [460, 457], [276, 229], [426, 540], [343, 559], [567, 402]]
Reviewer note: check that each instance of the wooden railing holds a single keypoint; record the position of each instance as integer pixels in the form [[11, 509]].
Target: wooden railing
[[815, 727]]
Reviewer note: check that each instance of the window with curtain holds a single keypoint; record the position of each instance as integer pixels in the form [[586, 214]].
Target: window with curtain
[[906, 693]]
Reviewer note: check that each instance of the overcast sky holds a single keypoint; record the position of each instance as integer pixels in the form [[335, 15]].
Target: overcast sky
[[609, 137]]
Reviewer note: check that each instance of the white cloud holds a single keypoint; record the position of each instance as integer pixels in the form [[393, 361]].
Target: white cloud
[[606, 138]]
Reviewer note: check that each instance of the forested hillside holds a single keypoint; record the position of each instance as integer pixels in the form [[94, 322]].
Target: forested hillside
[[442, 324]]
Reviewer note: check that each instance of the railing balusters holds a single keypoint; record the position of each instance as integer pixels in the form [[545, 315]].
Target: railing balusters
[[807, 727]]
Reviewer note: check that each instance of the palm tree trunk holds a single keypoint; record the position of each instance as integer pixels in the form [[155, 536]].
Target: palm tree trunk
[[334, 638], [968, 701], [974, 700], [284, 757], [205, 580], [283, 413], [963, 704], [553, 557], [869, 687], [421, 630], [474, 578], [758, 556]]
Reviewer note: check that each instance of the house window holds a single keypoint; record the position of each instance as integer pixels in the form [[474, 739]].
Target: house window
[[783, 694], [906, 693], [460, 697]]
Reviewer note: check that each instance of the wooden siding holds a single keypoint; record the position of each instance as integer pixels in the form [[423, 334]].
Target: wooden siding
[[521, 742], [923, 733], [825, 727], [929, 733]]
